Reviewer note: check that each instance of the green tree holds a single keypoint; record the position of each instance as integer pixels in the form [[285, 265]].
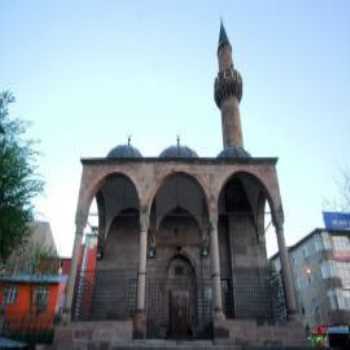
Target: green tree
[[341, 202], [19, 180]]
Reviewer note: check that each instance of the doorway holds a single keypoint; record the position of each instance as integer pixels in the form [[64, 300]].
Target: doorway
[[181, 298]]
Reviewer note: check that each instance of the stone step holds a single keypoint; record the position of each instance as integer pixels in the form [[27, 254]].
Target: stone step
[[170, 345], [153, 344]]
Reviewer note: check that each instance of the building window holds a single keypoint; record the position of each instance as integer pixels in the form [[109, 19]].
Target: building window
[[343, 272], [341, 243], [346, 295], [318, 244], [343, 299], [41, 297], [332, 297], [326, 241], [339, 299], [305, 251], [10, 295], [328, 269]]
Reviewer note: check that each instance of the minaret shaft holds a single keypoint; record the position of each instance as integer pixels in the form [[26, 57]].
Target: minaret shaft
[[228, 93], [231, 122]]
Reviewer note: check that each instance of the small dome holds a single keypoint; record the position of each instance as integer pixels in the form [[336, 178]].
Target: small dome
[[178, 151], [234, 152], [124, 151]]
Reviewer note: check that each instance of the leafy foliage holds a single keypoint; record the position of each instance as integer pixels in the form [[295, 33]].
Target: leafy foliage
[[19, 180], [342, 200]]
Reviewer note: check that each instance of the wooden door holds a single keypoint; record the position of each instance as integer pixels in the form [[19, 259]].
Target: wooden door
[[180, 314]]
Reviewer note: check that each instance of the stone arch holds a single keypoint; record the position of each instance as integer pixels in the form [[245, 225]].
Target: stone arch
[[197, 186], [272, 198], [241, 211], [169, 213], [186, 257], [197, 180], [90, 190]]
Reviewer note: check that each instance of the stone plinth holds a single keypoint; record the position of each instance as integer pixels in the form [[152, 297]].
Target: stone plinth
[[78, 335], [248, 333]]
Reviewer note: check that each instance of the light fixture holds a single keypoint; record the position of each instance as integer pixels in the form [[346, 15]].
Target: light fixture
[[152, 252], [204, 251]]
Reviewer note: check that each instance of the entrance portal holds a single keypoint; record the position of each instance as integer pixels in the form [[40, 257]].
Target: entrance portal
[[181, 298], [180, 314]]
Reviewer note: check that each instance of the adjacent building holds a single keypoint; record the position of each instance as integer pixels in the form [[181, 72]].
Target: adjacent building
[[32, 286], [37, 253], [321, 270]]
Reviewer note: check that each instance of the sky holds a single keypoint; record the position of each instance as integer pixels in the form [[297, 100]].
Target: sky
[[87, 74]]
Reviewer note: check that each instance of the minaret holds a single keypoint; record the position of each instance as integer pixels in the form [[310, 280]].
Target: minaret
[[228, 93]]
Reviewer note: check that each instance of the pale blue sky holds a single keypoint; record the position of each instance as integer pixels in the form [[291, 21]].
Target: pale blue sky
[[88, 73]]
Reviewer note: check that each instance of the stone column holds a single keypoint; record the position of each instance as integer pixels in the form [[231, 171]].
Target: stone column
[[215, 262], [140, 317], [287, 275], [73, 272]]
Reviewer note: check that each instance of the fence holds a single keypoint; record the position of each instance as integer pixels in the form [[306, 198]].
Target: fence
[[111, 295], [30, 330], [105, 295]]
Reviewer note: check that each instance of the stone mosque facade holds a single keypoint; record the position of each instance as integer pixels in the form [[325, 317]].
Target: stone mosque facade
[[181, 238]]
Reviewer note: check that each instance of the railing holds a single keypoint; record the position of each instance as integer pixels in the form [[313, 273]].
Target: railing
[[111, 295], [278, 301]]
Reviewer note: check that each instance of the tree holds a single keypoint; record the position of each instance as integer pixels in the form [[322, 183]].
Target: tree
[[19, 180], [344, 190], [341, 202]]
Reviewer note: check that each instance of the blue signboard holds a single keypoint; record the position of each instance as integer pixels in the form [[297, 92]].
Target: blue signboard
[[336, 220]]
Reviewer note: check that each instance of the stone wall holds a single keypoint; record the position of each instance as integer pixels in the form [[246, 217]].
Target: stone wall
[[248, 333], [178, 240], [116, 273], [251, 275]]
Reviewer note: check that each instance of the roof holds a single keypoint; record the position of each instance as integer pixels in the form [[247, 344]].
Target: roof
[[234, 152], [314, 232], [36, 278], [178, 151], [124, 151], [6, 343], [200, 160]]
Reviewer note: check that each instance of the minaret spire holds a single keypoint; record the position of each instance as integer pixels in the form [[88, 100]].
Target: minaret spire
[[223, 38], [228, 93]]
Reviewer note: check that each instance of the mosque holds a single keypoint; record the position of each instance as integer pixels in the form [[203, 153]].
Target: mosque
[[181, 250]]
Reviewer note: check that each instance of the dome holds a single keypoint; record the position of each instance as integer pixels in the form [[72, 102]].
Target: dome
[[124, 151], [234, 152], [178, 151]]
